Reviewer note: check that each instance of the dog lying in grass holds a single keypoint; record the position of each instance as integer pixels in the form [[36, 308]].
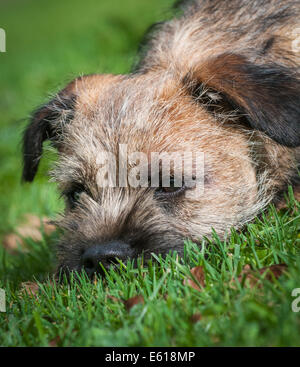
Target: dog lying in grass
[[220, 78]]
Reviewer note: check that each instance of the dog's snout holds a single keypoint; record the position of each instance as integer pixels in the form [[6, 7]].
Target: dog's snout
[[106, 254]]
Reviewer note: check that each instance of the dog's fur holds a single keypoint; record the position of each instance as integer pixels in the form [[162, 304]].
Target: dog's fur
[[221, 77]]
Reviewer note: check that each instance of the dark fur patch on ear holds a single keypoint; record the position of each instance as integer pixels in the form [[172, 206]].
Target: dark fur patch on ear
[[267, 95], [44, 126], [144, 46], [182, 4]]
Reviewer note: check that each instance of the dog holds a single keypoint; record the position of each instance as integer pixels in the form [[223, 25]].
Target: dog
[[221, 78]]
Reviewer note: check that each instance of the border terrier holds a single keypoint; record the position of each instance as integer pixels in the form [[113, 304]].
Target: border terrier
[[220, 78]]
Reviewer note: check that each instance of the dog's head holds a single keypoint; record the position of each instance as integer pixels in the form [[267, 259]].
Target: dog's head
[[112, 133]]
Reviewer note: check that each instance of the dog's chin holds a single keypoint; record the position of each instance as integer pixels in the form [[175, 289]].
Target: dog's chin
[[73, 269], [69, 273], [76, 272]]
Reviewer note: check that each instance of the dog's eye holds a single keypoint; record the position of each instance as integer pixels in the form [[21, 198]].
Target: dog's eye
[[171, 191], [74, 195]]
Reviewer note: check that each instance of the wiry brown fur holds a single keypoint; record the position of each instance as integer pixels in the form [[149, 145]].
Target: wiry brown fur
[[221, 78]]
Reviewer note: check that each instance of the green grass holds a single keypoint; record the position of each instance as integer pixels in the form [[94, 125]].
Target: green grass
[[49, 43]]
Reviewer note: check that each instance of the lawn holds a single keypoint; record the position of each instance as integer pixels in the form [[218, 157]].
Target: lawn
[[48, 43]]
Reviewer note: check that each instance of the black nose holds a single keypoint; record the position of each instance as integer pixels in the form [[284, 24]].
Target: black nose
[[107, 254]]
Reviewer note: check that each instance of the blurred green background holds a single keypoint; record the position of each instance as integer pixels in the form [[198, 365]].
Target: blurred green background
[[48, 43]]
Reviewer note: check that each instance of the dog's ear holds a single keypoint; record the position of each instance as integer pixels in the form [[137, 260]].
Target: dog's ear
[[267, 97], [46, 124]]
